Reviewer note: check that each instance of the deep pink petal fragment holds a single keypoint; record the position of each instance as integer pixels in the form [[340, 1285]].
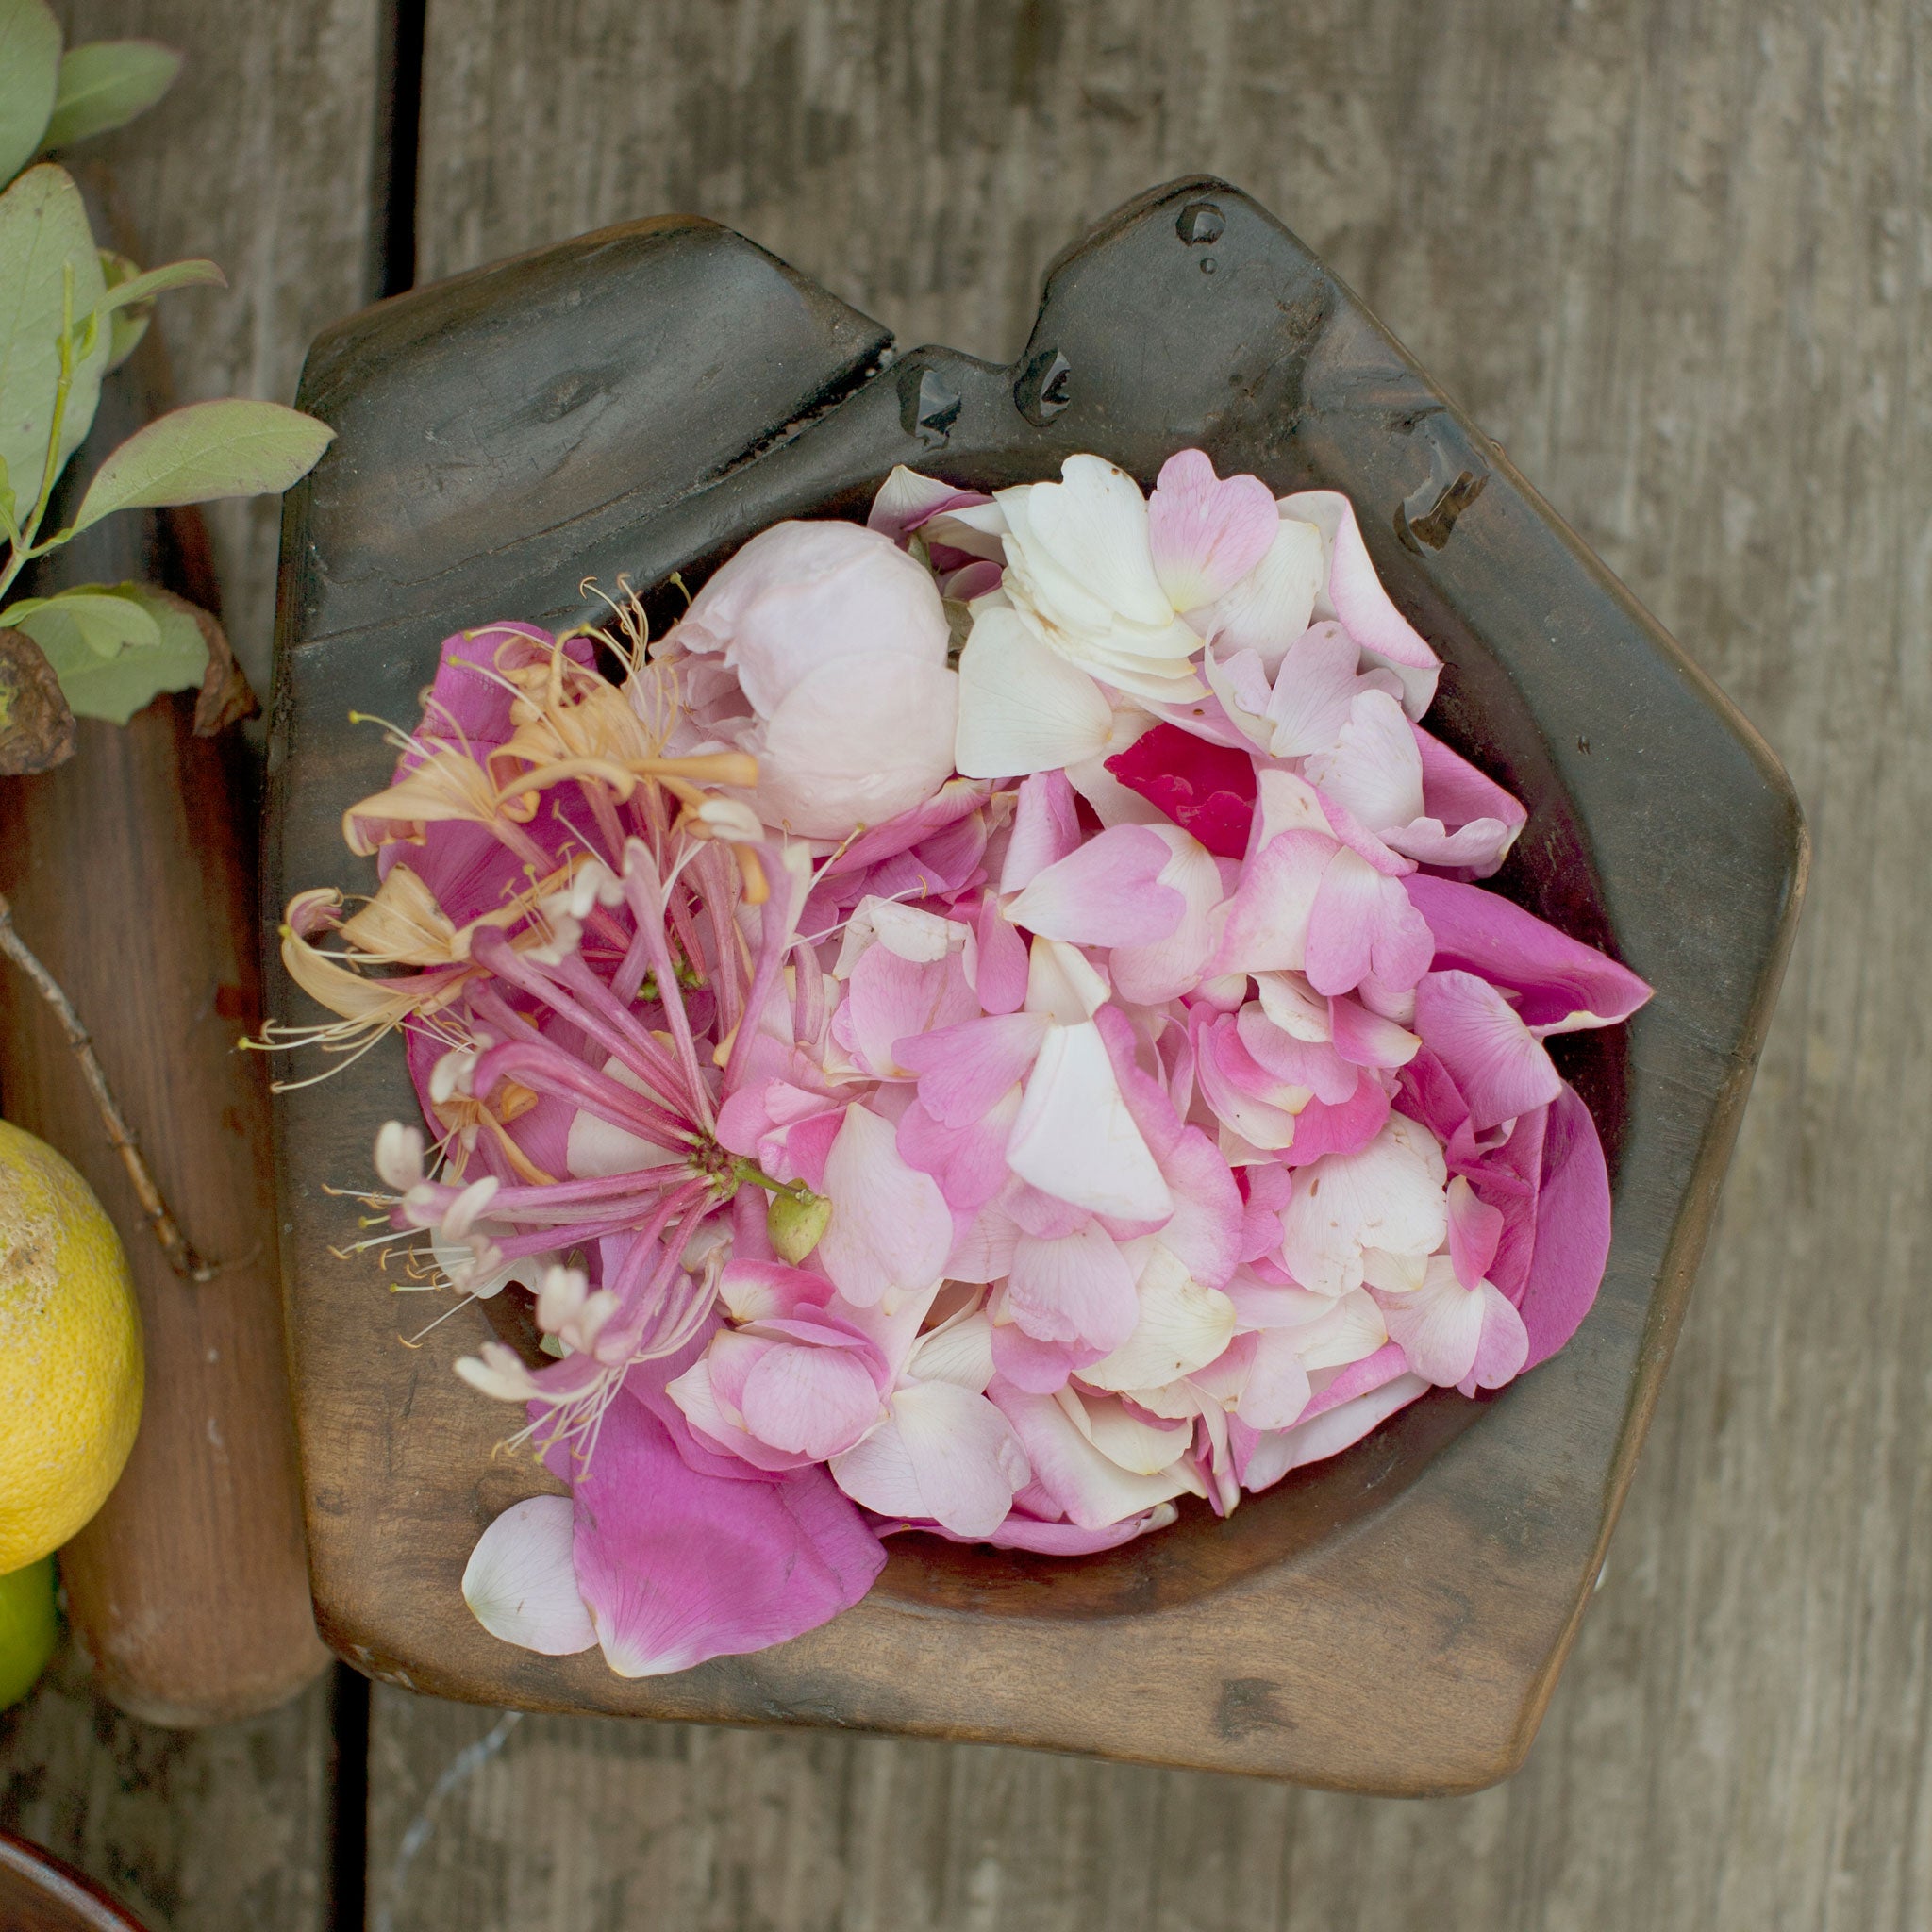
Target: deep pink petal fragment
[[1368, 1040], [1207, 789], [1046, 828], [964, 1070], [969, 1162], [675, 1566], [1206, 533], [1021, 1532], [1107, 892], [1500, 1068], [1347, 1127], [1562, 984], [1572, 1230]]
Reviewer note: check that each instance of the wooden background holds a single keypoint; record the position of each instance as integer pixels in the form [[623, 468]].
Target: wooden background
[[1675, 254]]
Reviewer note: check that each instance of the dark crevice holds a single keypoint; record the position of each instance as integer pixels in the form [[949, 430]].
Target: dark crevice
[[348, 1803], [398, 138]]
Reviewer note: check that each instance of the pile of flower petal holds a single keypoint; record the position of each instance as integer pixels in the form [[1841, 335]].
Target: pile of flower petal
[[1000, 1101]]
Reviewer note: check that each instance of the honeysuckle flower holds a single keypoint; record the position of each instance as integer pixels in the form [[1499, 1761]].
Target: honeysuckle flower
[[999, 1132]]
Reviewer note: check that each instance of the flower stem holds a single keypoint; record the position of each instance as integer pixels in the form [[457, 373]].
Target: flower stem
[[181, 1257]]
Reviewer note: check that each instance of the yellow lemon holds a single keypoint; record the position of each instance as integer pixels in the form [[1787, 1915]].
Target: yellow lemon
[[70, 1351]]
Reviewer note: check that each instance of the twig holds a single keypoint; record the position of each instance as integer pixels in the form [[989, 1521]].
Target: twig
[[181, 1257]]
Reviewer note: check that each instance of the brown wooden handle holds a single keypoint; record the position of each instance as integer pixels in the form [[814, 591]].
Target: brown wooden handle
[[130, 874]]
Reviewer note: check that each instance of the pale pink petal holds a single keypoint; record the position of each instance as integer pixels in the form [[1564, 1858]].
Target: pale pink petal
[[1318, 1067], [857, 740], [812, 1401], [1267, 927], [1475, 1228], [1078, 1288], [1277, 1389], [966, 1459], [1317, 681], [1504, 1348], [1021, 708], [1182, 1327], [1074, 1137], [969, 1162], [1354, 593], [999, 966], [891, 1228], [1455, 793], [1389, 1196], [521, 1584], [1125, 1435], [1369, 1040], [1362, 923], [1500, 1067], [1022, 1532], [1271, 606], [1046, 828], [964, 1069], [1329, 1433], [1038, 1367], [906, 499], [1375, 769], [889, 999], [1438, 1327], [1233, 1085], [1562, 984], [1151, 974], [769, 1291], [1478, 847], [1205, 1230], [1106, 892], [1087, 1487], [675, 1566], [1206, 533], [1062, 984]]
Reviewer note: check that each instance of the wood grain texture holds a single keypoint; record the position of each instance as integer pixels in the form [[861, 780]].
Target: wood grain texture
[[1674, 255], [260, 157], [216, 1830]]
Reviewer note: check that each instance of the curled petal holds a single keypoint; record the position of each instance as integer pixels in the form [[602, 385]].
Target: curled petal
[[1022, 709], [1499, 1066]]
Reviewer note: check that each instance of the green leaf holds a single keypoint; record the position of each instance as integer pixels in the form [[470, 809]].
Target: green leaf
[[88, 619], [117, 685], [106, 83], [29, 74], [232, 448], [42, 227]]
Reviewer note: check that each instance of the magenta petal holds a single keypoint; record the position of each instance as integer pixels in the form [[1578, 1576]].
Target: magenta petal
[[1207, 789], [1346, 1128], [1362, 923], [1563, 985], [1501, 1069], [675, 1566], [1268, 923], [1572, 1230], [1020, 1532]]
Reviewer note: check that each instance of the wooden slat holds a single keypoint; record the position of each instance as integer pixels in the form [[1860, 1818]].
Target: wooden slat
[[1673, 255]]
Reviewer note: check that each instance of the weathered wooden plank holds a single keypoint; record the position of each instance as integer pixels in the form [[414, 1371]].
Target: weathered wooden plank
[[1674, 255], [194, 1831], [260, 158]]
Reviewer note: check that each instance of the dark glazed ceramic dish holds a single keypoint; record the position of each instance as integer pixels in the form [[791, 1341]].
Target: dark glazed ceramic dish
[[642, 400]]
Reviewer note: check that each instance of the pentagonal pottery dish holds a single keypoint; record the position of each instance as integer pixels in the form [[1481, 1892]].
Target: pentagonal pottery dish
[[642, 400]]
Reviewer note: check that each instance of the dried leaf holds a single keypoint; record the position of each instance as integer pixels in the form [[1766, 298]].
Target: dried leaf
[[36, 726], [225, 695]]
